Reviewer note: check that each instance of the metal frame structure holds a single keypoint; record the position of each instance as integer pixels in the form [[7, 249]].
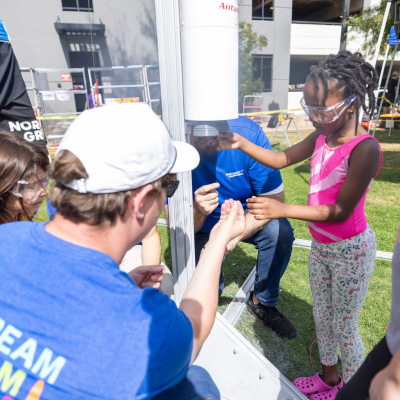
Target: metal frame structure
[[261, 107], [145, 85], [33, 87], [181, 204], [390, 67], [57, 116], [225, 350], [280, 122]]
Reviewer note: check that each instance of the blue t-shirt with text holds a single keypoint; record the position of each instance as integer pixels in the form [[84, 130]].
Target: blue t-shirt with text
[[239, 176], [73, 326]]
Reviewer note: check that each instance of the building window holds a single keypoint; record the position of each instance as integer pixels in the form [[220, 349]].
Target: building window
[[263, 9], [264, 71], [83, 47], [322, 11], [77, 5]]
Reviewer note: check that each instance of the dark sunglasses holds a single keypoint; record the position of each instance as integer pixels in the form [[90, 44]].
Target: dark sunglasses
[[171, 185]]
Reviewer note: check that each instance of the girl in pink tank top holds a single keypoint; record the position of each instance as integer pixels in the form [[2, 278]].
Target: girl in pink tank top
[[344, 161]]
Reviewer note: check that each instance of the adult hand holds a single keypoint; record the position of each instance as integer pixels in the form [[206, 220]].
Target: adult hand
[[148, 276], [229, 141], [206, 199], [231, 223], [384, 386], [265, 208]]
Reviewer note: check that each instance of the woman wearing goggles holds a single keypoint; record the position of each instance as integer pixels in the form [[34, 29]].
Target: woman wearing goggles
[[23, 178]]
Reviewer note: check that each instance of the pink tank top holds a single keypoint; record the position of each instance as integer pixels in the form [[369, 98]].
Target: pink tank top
[[328, 170]]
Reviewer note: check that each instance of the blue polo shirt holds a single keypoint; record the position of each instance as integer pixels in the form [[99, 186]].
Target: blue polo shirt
[[239, 175], [73, 326]]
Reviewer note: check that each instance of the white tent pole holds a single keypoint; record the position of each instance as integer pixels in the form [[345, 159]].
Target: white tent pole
[[381, 77], [386, 83], [383, 66], [181, 204], [385, 17]]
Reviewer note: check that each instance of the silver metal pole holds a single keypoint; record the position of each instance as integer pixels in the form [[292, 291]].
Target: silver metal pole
[[385, 17], [181, 204], [380, 78], [383, 66], [345, 18], [386, 84]]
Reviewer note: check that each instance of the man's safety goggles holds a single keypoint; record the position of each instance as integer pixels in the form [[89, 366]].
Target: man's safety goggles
[[326, 115], [171, 185], [31, 187]]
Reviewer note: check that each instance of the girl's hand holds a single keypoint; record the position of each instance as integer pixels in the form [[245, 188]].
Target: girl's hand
[[265, 208], [229, 141]]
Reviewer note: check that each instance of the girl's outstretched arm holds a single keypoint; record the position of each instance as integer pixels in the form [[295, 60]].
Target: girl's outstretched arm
[[292, 155], [364, 161]]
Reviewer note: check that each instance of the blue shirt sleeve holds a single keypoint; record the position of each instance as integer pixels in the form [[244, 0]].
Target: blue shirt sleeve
[[262, 178], [170, 343], [50, 209]]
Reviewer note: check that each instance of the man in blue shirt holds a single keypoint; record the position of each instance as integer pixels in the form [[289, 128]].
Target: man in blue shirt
[[72, 325], [234, 174]]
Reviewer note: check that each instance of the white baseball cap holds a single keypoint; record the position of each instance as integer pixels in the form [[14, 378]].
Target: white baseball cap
[[123, 147]]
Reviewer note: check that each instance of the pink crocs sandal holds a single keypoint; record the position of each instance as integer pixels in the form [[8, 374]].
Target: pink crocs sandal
[[314, 385], [329, 394]]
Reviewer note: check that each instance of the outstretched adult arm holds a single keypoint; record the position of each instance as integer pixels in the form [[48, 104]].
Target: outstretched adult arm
[[364, 161], [200, 299], [292, 155]]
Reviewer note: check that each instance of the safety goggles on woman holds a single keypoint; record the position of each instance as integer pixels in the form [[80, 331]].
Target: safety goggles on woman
[[31, 187], [326, 115]]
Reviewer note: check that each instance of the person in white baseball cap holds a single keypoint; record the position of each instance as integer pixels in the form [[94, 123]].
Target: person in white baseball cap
[[77, 326]]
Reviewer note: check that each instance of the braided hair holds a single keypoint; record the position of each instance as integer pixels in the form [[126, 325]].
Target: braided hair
[[352, 73]]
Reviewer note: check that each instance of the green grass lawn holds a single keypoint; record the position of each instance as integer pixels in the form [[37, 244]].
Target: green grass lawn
[[291, 357]]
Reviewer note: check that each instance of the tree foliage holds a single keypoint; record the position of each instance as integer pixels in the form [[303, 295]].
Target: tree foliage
[[367, 24], [248, 42]]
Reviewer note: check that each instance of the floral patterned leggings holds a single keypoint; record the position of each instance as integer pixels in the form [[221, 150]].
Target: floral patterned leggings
[[339, 277]]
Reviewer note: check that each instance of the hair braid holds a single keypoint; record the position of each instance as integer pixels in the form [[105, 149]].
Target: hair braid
[[352, 73]]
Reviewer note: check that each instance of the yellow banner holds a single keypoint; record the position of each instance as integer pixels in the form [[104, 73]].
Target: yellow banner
[[42, 117], [271, 112]]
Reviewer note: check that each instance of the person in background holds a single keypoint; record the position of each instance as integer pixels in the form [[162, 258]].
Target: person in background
[[78, 327], [89, 104], [23, 178], [16, 113], [392, 90], [344, 161], [379, 375]]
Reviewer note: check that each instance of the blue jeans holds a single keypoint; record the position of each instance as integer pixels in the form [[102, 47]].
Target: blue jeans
[[197, 385], [274, 244]]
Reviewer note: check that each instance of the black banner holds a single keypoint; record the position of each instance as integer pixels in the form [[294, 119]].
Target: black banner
[[16, 112]]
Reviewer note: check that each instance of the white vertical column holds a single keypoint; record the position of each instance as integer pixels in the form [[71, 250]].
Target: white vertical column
[[181, 204]]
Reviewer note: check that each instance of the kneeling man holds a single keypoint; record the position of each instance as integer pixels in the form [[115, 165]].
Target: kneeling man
[[232, 174]]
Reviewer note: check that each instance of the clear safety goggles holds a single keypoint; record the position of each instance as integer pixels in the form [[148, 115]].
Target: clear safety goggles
[[326, 115], [31, 187]]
